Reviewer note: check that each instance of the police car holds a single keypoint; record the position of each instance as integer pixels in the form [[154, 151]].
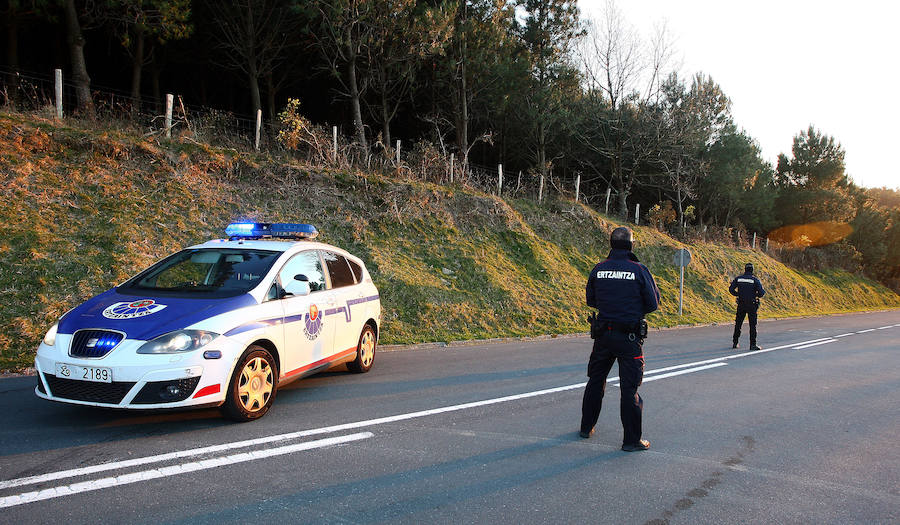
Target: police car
[[224, 323]]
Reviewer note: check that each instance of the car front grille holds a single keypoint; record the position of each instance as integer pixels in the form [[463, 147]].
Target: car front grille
[[94, 343], [111, 393]]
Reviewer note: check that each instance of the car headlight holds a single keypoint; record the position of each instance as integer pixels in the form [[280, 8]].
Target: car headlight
[[176, 342], [50, 338]]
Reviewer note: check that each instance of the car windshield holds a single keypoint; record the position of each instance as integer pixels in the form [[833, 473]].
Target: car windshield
[[207, 272]]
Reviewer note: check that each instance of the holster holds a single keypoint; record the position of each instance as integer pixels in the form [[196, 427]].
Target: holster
[[597, 327], [592, 321]]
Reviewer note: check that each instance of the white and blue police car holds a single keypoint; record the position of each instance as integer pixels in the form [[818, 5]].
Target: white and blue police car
[[224, 323]]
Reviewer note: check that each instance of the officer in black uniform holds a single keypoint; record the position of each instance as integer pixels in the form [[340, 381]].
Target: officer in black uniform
[[622, 290], [748, 290]]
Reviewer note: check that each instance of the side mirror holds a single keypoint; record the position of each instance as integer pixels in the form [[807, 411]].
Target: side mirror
[[301, 277], [296, 287]]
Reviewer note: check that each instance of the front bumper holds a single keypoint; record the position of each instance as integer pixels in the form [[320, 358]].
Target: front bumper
[[138, 381]]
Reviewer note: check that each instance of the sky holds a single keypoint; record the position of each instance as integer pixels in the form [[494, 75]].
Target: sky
[[791, 63]]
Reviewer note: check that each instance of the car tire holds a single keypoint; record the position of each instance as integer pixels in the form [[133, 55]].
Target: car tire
[[253, 384], [365, 351]]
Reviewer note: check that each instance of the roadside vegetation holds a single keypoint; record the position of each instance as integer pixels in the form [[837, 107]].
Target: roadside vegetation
[[84, 208]]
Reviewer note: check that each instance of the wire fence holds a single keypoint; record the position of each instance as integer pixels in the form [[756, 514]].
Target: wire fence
[[35, 92]]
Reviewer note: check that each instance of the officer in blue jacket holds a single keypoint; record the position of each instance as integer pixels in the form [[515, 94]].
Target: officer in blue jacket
[[748, 290], [623, 291]]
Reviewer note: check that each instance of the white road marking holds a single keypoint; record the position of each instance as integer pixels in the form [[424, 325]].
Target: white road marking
[[884, 327], [843, 335], [184, 468], [864, 331], [673, 374], [649, 375], [269, 439], [687, 371], [825, 342]]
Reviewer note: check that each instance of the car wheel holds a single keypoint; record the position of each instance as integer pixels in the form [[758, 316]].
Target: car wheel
[[365, 351], [253, 385]]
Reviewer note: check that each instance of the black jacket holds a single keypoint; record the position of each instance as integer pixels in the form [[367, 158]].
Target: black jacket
[[622, 289], [746, 288]]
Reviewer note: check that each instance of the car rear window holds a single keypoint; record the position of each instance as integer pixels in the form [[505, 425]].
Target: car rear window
[[339, 269], [357, 270]]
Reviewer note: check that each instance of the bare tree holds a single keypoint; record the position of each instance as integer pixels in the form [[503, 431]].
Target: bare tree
[[75, 40], [138, 21], [253, 35], [342, 32], [622, 84], [403, 34]]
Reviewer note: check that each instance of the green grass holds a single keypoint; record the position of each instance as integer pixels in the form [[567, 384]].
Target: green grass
[[83, 209]]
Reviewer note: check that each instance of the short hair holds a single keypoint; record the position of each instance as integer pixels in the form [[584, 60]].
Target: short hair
[[621, 234]]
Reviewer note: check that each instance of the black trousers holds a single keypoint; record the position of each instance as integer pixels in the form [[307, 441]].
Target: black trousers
[[609, 347], [748, 310]]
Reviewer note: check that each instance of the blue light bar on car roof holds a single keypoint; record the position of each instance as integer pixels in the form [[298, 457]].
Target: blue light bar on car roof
[[273, 230]]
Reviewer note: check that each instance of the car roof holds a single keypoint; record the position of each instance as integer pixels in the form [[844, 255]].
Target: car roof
[[270, 245]]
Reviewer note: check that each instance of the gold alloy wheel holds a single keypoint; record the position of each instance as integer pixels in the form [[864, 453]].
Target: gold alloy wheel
[[256, 384], [367, 349]]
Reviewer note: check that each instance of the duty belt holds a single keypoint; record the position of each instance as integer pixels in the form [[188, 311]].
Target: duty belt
[[626, 328]]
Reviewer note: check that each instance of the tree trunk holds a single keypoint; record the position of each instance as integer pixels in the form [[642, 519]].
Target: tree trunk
[[542, 148], [462, 120], [154, 82], [385, 118], [618, 179], [12, 55], [270, 97], [354, 97], [137, 66], [623, 203], [79, 66], [252, 66], [255, 99]]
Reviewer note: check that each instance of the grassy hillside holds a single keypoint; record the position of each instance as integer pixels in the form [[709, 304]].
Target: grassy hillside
[[81, 210]]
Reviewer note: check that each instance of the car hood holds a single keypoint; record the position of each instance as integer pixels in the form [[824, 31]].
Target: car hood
[[146, 317]]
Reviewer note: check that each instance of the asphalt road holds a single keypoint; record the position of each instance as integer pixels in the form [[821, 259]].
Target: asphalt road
[[805, 431]]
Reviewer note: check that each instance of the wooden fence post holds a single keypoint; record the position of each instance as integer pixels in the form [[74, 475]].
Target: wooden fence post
[[59, 94], [499, 179], [334, 141], [577, 186], [541, 190], [451, 168], [258, 126], [637, 213], [398, 153], [753, 244], [170, 101], [606, 208]]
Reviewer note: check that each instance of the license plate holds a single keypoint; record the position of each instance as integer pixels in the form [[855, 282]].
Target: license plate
[[84, 373]]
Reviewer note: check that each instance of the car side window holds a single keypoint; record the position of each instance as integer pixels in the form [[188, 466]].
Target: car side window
[[304, 263], [339, 270], [357, 270]]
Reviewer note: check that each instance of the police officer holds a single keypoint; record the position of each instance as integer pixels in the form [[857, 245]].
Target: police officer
[[748, 290], [622, 290]]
